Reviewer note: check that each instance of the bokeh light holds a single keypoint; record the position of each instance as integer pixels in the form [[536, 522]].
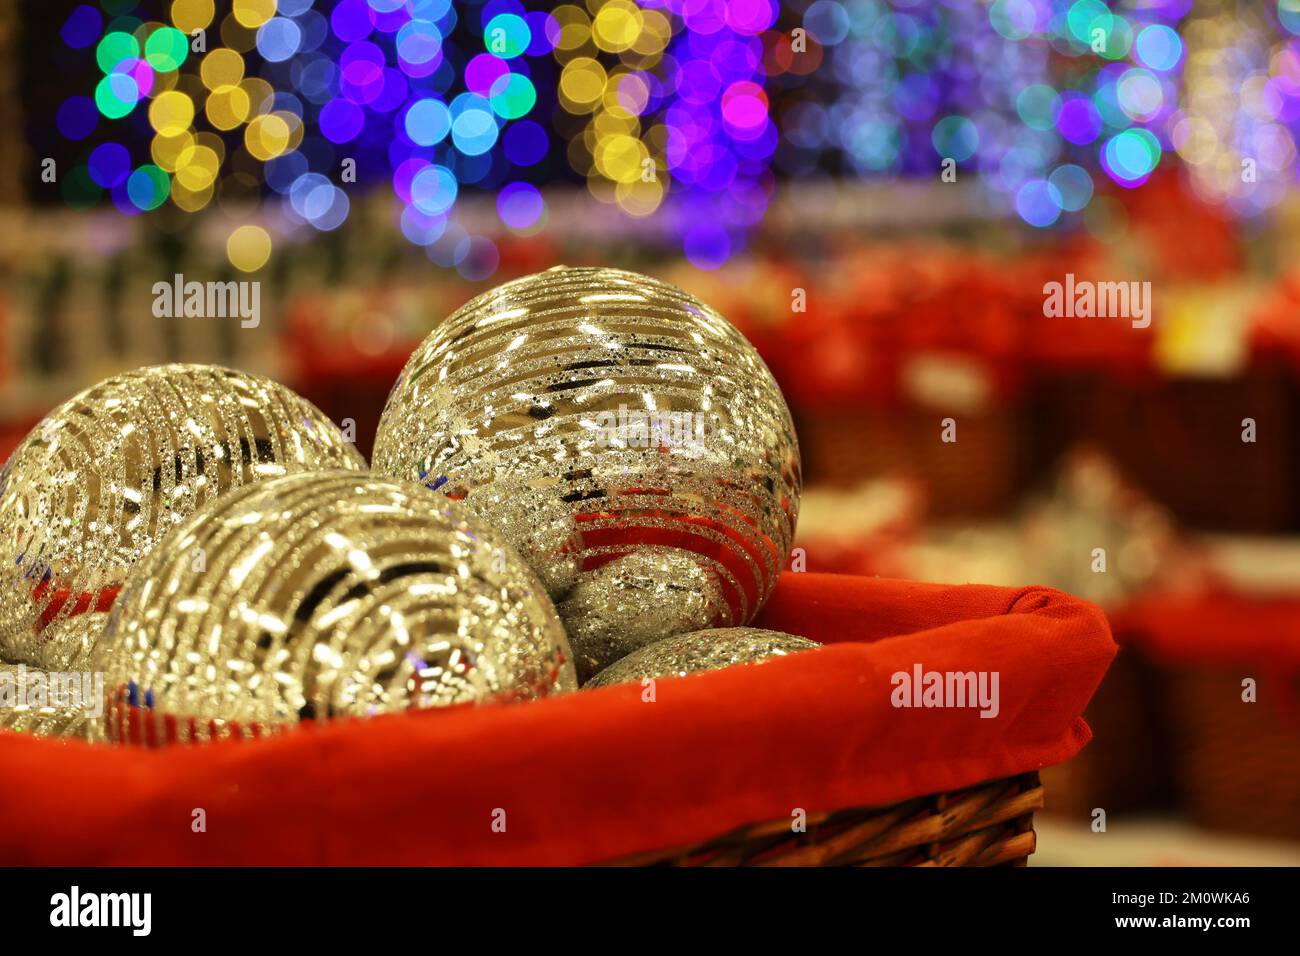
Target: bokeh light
[[692, 111], [248, 248]]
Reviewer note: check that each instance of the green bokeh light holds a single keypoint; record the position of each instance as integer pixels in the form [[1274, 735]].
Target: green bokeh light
[[507, 36], [1038, 106], [114, 48], [166, 49], [116, 95], [513, 96], [956, 138]]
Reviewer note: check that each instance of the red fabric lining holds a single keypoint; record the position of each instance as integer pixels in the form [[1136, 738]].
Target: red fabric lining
[[596, 776], [1214, 629]]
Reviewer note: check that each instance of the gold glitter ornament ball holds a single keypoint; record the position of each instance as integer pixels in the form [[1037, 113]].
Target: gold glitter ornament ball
[[94, 486], [318, 596], [683, 594], [599, 417], [40, 704], [701, 651], [69, 642]]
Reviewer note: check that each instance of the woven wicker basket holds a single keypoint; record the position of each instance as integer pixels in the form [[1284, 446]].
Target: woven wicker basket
[[981, 473], [987, 825], [1126, 766], [1180, 440], [1238, 764]]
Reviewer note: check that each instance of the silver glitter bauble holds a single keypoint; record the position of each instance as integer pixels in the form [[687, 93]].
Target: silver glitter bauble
[[701, 651], [631, 601], [596, 414], [94, 486], [324, 595], [45, 704]]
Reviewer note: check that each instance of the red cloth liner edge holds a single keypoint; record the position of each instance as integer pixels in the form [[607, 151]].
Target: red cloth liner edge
[[597, 775], [1214, 629]]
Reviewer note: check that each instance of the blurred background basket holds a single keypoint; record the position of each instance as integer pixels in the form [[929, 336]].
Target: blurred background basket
[[1238, 764], [1180, 440], [981, 473], [1127, 766]]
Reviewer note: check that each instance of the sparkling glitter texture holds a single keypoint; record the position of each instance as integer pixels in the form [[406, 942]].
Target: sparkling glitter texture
[[69, 642], [324, 595], [635, 600], [39, 704], [596, 415], [701, 651], [95, 485]]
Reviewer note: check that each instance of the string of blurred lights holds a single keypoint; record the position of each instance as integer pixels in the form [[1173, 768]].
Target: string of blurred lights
[[1242, 94], [680, 106], [1033, 96], [720, 133], [370, 84], [672, 108]]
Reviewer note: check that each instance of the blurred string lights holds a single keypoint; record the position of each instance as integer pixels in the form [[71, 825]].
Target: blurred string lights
[[658, 101], [1241, 90], [674, 108], [653, 103], [296, 99], [670, 102], [1040, 97], [1036, 97]]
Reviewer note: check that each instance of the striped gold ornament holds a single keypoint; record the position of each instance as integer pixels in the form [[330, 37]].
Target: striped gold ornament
[[627, 438], [324, 595], [50, 704], [94, 486]]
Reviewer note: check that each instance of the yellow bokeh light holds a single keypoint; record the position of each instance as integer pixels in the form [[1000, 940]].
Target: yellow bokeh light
[[164, 82], [616, 26], [1195, 140], [196, 168], [190, 15], [190, 200], [248, 248], [610, 123], [639, 198], [656, 138], [575, 28], [221, 67], [579, 154], [253, 13], [620, 158], [166, 150], [261, 95], [656, 31], [171, 113], [267, 136], [293, 123], [191, 86], [213, 142], [227, 107], [627, 95], [582, 84], [601, 188], [238, 37]]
